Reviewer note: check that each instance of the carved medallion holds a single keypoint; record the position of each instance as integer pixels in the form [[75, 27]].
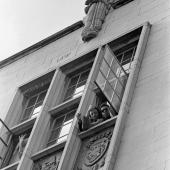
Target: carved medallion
[[48, 163], [96, 151], [93, 151]]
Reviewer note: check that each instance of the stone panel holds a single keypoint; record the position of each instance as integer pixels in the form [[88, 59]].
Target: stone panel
[[93, 151], [48, 163]]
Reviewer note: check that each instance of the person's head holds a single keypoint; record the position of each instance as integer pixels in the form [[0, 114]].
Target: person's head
[[94, 113], [105, 111]]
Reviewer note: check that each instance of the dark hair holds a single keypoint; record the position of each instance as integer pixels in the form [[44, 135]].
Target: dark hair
[[104, 105], [95, 108]]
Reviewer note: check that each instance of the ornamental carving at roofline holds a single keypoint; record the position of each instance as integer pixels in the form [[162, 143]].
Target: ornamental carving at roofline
[[96, 11]]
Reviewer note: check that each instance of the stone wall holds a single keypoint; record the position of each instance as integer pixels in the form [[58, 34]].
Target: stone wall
[[145, 142]]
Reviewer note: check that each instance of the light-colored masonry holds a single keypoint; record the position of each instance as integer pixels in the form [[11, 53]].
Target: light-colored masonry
[[145, 141]]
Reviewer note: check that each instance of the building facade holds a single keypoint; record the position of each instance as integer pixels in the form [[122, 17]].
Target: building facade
[[51, 92]]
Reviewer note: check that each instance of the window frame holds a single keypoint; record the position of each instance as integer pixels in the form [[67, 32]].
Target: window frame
[[54, 118]]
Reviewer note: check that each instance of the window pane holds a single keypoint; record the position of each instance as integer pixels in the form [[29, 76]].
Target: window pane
[[54, 134], [80, 87], [32, 101], [104, 68], [41, 96], [65, 129], [116, 67], [111, 76], [73, 81], [27, 113], [84, 76], [108, 90], [37, 109], [70, 116], [127, 55], [58, 122], [120, 57], [100, 80], [108, 56], [70, 92], [115, 102], [119, 89]]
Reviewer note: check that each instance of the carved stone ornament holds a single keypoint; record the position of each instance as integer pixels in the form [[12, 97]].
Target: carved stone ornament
[[96, 11], [49, 163], [95, 152]]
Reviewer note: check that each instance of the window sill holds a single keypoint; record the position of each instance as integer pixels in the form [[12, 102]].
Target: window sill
[[48, 151], [11, 166], [62, 106], [108, 123], [23, 126]]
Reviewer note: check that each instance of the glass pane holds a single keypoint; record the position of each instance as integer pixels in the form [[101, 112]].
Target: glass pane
[[115, 102], [79, 90], [54, 134], [70, 92], [32, 101], [100, 80], [41, 96], [70, 117], [84, 76], [73, 81], [119, 89], [108, 56], [58, 122], [128, 55], [108, 90], [65, 129], [113, 83], [37, 108], [62, 139], [116, 67], [27, 113], [111, 76], [120, 57], [104, 68]]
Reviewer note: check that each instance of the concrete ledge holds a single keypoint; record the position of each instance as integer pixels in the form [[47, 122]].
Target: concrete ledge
[[23, 126], [63, 105], [98, 128], [11, 166], [48, 151]]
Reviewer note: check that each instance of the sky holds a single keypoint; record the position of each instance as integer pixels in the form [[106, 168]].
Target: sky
[[25, 22]]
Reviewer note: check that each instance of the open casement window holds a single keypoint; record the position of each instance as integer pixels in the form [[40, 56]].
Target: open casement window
[[16, 148], [111, 78], [61, 125]]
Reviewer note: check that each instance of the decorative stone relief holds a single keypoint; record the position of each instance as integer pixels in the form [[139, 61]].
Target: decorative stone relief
[[48, 163], [96, 11], [93, 151]]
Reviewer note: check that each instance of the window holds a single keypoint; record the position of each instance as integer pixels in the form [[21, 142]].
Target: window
[[33, 96], [16, 148], [61, 126], [34, 102], [125, 56], [111, 79], [77, 81]]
